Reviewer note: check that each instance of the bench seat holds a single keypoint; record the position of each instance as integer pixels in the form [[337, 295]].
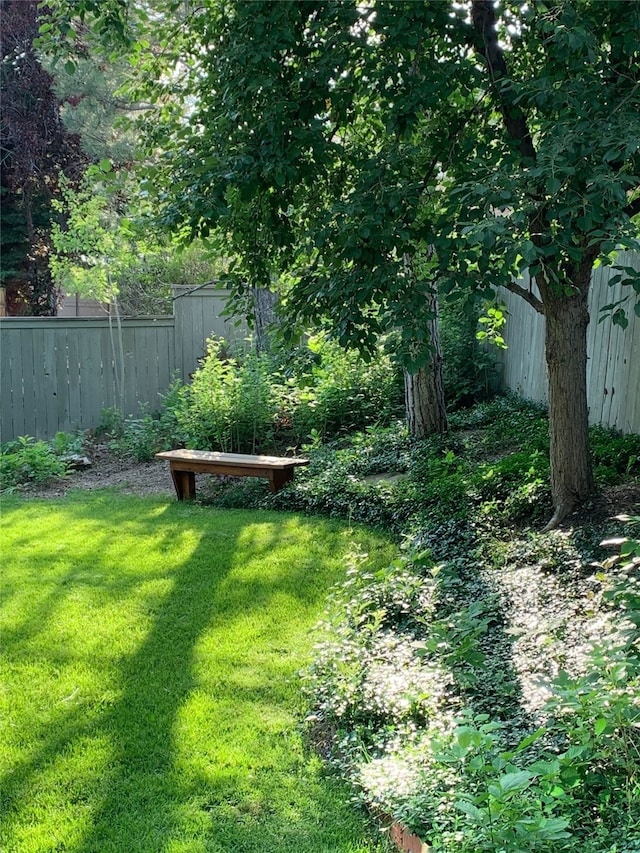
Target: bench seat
[[185, 464]]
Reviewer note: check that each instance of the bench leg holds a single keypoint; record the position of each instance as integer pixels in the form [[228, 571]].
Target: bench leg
[[185, 484], [278, 479]]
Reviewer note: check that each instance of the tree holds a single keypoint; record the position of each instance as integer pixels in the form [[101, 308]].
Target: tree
[[35, 147], [477, 140], [553, 186], [305, 175]]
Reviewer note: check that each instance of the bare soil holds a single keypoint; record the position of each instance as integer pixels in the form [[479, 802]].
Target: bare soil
[[109, 471]]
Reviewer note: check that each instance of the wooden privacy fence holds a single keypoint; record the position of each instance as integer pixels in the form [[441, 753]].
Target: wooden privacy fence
[[58, 374], [613, 366]]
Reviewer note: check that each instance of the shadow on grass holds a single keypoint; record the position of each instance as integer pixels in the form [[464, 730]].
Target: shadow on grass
[[246, 787]]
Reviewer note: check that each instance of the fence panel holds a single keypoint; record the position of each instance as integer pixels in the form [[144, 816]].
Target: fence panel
[[59, 374], [613, 366], [198, 316]]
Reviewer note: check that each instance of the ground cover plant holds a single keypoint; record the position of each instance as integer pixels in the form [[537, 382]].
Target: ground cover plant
[[26, 460], [484, 688], [150, 658]]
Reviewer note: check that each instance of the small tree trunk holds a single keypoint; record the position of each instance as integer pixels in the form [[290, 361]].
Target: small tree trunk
[[566, 324], [425, 406], [424, 401], [264, 313]]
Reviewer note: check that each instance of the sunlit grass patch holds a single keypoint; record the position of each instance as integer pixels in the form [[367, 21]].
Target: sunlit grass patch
[[150, 661]]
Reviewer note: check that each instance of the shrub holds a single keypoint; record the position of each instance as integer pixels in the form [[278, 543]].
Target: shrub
[[340, 393], [229, 405], [269, 402], [26, 460], [141, 437]]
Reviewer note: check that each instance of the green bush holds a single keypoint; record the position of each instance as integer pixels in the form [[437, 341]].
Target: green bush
[[270, 402], [339, 393], [229, 405], [26, 460]]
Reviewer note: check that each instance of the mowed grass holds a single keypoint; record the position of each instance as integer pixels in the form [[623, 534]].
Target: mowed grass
[[150, 702]]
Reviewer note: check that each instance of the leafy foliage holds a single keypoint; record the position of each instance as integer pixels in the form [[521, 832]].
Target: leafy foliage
[[268, 402], [395, 679], [26, 460], [36, 147], [372, 153]]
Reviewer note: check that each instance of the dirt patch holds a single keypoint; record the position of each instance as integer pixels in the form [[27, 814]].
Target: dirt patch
[[109, 471]]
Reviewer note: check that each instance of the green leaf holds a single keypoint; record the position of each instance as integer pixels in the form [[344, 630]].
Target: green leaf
[[532, 738], [464, 739], [599, 726], [470, 810], [517, 781], [620, 318], [70, 66], [105, 165]]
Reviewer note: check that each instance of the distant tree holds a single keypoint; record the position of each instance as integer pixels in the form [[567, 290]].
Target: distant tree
[[91, 109], [35, 147]]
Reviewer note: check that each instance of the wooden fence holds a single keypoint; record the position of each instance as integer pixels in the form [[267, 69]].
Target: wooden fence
[[58, 374], [613, 367]]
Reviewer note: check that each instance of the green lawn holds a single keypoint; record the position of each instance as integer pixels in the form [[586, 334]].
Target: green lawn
[[149, 657]]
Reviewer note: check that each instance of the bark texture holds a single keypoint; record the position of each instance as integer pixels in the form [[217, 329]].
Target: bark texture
[[567, 319], [424, 390], [264, 313], [424, 401]]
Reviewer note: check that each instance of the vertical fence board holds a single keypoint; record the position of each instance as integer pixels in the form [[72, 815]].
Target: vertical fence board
[[630, 422], [130, 370], [50, 381], [45, 381], [9, 409], [63, 409], [73, 378], [29, 382], [106, 369], [88, 379], [166, 357]]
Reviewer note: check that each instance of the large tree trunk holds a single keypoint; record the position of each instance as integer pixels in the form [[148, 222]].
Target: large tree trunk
[[566, 324]]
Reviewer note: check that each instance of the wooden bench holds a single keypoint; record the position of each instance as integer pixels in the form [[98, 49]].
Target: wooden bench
[[185, 464]]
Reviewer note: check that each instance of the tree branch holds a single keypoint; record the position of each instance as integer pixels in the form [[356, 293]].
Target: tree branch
[[527, 295], [483, 17]]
